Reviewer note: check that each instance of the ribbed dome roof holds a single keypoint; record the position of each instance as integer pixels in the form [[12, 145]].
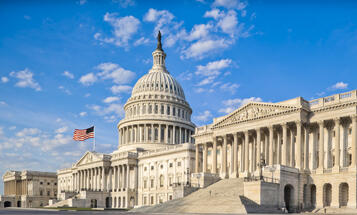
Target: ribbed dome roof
[[160, 82]]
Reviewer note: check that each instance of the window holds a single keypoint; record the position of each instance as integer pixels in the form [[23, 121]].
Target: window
[[170, 197], [145, 200], [170, 164], [144, 109], [170, 181], [152, 183], [48, 183], [55, 183], [41, 182], [145, 168], [152, 167], [48, 193], [162, 109], [149, 135], [55, 193], [179, 112], [156, 109], [162, 134], [152, 200], [179, 163], [145, 184], [350, 131], [156, 133], [41, 192], [168, 110], [161, 166], [174, 111], [161, 181], [150, 109]]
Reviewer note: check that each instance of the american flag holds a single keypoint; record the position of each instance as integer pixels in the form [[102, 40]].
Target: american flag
[[83, 134]]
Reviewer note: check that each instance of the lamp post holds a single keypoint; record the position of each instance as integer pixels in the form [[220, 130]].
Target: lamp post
[[261, 165]]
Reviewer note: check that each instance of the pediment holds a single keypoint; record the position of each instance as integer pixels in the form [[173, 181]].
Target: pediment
[[87, 158], [253, 111], [8, 174]]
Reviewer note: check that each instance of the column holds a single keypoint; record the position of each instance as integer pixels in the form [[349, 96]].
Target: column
[[173, 134], [180, 135], [246, 154], [214, 156], [292, 148], [298, 145], [266, 148], [258, 149], [205, 149], [271, 138], [235, 155], [197, 158], [354, 139], [98, 178], [110, 179], [278, 150], [115, 178], [321, 147], [306, 149], [123, 176], [128, 175], [136, 176], [103, 179], [224, 153], [284, 157], [152, 133]]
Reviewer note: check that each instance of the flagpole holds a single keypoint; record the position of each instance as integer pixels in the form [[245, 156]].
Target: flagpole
[[94, 141]]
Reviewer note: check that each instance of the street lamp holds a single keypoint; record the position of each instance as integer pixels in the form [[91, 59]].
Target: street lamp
[[261, 165]]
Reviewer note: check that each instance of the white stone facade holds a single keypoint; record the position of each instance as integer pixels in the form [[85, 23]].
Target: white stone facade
[[155, 153], [28, 189], [310, 146]]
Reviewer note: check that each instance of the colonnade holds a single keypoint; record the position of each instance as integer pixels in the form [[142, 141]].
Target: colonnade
[[155, 133], [113, 178], [306, 146]]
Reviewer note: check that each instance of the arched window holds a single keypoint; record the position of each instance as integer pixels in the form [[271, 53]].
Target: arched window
[[150, 109], [174, 111], [144, 109], [162, 109], [156, 134], [168, 110], [156, 109], [161, 180]]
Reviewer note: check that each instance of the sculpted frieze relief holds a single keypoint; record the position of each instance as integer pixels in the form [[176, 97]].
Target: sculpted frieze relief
[[254, 111]]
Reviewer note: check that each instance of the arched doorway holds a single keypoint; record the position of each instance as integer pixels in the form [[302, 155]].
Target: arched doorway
[[343, 197], [119, 202], [7, 204], [289, 197], [93, 203], [327, 195], [19, 204], [313, 195], [132, 202]]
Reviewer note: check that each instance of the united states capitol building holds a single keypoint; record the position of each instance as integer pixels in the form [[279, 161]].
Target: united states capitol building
[[295, 154]]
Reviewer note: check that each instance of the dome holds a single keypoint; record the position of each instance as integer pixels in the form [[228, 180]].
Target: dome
[[157, 112], [158, 82]]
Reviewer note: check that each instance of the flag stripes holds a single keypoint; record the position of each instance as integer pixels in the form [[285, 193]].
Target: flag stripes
[[83, 134]]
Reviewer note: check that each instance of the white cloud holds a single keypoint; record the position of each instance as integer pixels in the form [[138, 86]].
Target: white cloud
[[4, 79], [229, 23], [214, 13], [229, 87], [113, 71], [123, 29], [213, 68], [125, 3], [25, 79], [199, 31], [203, 90], [109, 112], [68, 74], [87, 95], [82, 114], [88, 79], [116, 89], [233, 104], [141, 41], [111, 99], [3, 103], [28, 131], [339, 86], [65, 90], [61, 130], [12, 128], [204, 117], [206, 81], [202, 48], [230, 4]]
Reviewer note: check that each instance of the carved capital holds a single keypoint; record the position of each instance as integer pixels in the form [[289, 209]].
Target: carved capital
[[337, 120], [321, 123]]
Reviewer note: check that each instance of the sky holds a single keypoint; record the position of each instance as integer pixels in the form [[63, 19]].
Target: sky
[[72, 64]]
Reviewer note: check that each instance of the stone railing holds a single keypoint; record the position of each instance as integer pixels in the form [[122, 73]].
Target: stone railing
[[203, 129], [124, 155], [337, 98], [165, 149]]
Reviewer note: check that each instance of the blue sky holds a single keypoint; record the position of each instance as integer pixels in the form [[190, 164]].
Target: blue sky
[[72, 64]]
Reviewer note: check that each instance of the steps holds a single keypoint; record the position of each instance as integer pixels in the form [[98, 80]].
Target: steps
[[221, 197]]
